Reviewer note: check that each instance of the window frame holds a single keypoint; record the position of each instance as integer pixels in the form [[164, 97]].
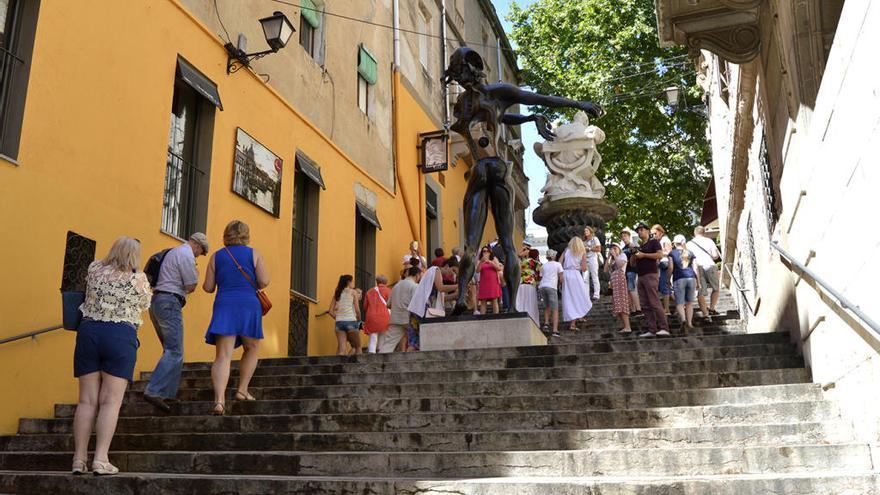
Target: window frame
[[15, 64], [306, 218], [193, 193], [306, 28], [364, 252], [363, 93]]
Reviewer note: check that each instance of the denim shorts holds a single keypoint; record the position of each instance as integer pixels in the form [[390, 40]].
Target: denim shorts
[[631, 281], [105, 346], [348, 326], [665, 285], [685, 290]]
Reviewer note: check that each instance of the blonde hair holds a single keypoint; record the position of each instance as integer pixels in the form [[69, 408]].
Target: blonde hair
[[592, 232], [576, 247], [685, 255], [659, 227], [124, 255], [236, 233]]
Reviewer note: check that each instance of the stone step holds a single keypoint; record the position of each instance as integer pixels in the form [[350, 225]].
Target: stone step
[[721, 436], [802, 411], [680, 461], [702, 353], [44, 482], [629, 345], [566, 402], [543, 387], [508, 375]]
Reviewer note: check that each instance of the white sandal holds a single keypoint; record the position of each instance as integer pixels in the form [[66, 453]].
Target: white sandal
[[104, 468], [79, 467]]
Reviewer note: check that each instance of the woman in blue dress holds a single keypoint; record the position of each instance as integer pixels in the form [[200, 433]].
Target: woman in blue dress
[[238, 317]]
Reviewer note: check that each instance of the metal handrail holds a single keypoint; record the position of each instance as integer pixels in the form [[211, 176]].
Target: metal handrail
[[841, 299], [30, 334], [738, 286]]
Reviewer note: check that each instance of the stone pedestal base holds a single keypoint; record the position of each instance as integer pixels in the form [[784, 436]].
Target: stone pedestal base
[[566, 218], [479, 332]]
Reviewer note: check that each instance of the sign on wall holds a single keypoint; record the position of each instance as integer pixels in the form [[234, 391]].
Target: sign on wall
[[257, 173], [435, 151]]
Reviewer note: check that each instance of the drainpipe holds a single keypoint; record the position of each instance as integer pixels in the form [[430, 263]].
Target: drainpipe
[[396, 22], [395, 140], [446, 115], [498, 54]]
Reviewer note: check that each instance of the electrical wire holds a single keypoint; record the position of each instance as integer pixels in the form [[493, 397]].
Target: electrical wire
[[217, 13], [469, 43]]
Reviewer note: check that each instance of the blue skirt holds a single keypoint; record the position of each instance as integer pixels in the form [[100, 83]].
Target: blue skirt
[[236, 315]]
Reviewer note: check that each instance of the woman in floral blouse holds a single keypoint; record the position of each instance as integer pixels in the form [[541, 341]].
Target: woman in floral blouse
[[106, 349], [529, 274]]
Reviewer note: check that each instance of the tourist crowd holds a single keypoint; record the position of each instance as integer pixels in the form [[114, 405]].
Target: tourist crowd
[[645, 273]]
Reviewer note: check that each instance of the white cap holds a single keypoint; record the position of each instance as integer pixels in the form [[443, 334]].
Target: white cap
[[679, 239]]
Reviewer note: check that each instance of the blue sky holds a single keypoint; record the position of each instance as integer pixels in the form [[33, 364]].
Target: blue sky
[[533, 165]]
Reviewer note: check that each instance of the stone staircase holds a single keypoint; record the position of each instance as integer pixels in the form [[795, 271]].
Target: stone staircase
[[716, 411]]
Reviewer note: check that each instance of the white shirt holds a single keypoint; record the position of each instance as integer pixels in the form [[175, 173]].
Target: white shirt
[[665, 243], [592, 243], [550, 274], [422, 261], [702, 256]]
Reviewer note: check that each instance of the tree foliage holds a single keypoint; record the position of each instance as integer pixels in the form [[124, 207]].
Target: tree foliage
[[607, 51]]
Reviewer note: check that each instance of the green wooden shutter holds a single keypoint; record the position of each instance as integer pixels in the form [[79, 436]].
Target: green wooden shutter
[[309, 13], [367, 66]]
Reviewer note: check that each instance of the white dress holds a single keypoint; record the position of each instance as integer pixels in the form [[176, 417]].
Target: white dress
[[575, 299], [527, 301]]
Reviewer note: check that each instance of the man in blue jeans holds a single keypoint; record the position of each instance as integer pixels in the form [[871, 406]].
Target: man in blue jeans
[[178, 276]]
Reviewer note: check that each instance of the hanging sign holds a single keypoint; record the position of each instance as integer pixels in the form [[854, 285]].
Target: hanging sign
[[435, 151]]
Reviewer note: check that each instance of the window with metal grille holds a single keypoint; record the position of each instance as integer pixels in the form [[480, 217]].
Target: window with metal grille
[[298, 329], [304, 249], [18, 21], [770, 200], [187, 168], [364, 253]]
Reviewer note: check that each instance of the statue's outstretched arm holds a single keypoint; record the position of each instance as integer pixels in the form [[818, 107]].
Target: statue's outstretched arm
[[514, 95], [541, 122]]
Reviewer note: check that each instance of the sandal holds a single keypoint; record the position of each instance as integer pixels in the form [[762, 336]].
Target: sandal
[[239, 395], [104, 468], [79, 467], [218, 412]]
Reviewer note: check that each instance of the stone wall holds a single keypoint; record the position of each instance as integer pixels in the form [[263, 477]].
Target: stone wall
[[812, 173]]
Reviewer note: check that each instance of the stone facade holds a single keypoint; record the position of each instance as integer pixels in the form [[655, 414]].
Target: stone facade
[[794, 133]]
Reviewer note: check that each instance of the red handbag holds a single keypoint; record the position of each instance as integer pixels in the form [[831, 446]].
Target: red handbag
[[265, 303]]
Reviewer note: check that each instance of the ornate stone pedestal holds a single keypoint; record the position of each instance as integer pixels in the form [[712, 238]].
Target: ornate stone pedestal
[[566, 218], [573, 196]]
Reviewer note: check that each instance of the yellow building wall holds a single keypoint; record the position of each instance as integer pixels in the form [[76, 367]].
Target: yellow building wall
[[92, 160]]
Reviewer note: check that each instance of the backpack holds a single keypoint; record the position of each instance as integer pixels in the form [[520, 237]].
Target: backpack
[[154, 264]]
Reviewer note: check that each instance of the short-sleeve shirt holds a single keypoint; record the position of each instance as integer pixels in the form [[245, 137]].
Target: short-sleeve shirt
[[401, 296], [177, 271], [678, 269], [701, 247], [550, 274], [590, 245], [646, 266]]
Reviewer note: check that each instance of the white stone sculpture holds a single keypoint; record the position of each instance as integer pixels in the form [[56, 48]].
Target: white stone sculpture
[[573, 160]]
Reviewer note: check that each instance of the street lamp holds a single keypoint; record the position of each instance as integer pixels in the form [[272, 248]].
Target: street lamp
[[276, 28], [672, 95]]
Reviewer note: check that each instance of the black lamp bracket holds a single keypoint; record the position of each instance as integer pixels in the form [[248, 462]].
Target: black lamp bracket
[[238, 58]]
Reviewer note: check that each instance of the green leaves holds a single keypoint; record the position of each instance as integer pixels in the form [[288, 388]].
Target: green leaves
[[655, 161]]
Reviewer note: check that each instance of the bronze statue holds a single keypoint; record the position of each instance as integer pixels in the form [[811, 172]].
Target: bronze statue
[[479, 111]]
